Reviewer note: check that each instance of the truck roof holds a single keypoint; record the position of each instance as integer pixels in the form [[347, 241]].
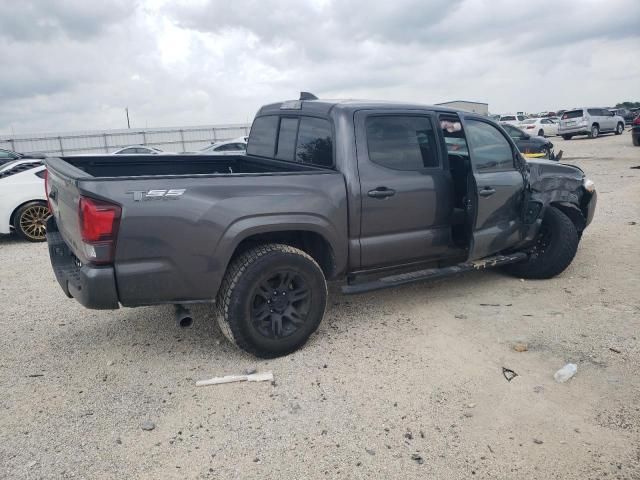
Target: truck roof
[[325, 106]]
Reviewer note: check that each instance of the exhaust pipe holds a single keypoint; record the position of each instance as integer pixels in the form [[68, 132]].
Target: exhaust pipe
[[183, 317]]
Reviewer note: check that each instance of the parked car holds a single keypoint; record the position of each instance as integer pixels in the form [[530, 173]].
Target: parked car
[[236, 146], [138, 150], [635, 131], [627, 114], [531, 146], [9, 155], [23, 205], [512, 119], [589, 121], [357, 191], [542, 127]]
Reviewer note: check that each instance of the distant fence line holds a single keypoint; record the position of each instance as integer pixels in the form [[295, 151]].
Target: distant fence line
[[175, 139]]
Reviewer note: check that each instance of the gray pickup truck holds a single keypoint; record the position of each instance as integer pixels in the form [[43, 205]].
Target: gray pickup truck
[[373, 194]]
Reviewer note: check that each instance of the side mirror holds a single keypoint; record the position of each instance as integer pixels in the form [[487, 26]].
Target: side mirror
[[525, 136]]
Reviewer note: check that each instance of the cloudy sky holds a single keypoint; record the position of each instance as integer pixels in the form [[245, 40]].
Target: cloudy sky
[[75, 64]]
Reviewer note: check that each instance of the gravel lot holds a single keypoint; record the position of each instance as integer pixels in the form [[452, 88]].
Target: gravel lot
[[403, 383]]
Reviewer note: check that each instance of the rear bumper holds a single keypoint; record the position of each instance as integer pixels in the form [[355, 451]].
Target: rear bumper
[[574, 130], [94, 287]]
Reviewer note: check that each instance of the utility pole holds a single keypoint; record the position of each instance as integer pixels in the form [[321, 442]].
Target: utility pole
[[126, 109]]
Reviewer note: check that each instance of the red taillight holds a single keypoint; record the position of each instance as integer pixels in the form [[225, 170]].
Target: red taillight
[[529, 127], [636, 121], [98, 220]]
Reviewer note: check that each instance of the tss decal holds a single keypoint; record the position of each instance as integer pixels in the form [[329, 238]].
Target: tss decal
[[174, 193]]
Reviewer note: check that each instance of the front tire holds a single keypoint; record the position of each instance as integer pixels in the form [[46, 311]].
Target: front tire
[[636, 140], [619, 128], [554, 249], [271, 300], [541, 133], [567, 137], [595, 131], [30, 221]]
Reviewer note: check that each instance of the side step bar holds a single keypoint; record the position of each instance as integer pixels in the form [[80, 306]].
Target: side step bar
[[431, 273]]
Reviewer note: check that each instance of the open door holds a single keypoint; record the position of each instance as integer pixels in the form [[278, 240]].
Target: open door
[[498, 187]]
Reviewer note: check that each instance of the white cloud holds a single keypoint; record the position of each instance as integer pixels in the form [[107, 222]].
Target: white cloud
[[76, 66]]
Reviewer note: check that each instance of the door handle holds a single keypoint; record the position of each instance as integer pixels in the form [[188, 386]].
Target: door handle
[[487, 191], [381, 192]]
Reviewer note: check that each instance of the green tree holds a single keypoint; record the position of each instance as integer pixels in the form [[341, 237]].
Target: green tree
[[628, 105]]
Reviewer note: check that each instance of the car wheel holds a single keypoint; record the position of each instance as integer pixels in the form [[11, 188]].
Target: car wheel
[[636, 140], [595, 131], [619, 128], [541, 133], [567, 137], [272, 298], [30, 221], [553, 252]]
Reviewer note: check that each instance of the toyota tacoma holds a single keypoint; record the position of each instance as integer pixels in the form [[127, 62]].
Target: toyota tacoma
[[372, 194]]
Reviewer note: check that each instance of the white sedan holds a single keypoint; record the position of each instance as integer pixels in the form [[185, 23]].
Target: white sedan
[[23, 205], [237, 146], [542, 127], [138, 150]]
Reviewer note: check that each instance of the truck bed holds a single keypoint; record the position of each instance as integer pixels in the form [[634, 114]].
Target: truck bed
[[119, 166], [175, 248]]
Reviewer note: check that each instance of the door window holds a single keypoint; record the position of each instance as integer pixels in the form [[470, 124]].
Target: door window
[[402, 142], [490, 150]]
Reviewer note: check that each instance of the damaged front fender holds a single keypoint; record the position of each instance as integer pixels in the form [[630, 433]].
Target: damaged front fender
[[558, 185]]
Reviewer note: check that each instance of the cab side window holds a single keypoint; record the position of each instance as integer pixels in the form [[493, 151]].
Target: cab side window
[[490, 150], [402, 142]]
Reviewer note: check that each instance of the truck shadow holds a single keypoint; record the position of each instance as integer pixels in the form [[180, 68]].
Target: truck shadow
[[153, 330]]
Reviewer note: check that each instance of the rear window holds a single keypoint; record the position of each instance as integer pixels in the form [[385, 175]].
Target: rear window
[[262, 141], [572, 114], [314, 142], [303, 139], [507, 118]]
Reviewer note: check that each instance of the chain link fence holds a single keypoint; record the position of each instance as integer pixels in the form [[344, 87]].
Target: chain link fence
[[176, 139]]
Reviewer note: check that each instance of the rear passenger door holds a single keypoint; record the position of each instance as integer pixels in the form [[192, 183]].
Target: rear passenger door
[[499, 187], [406, 197]]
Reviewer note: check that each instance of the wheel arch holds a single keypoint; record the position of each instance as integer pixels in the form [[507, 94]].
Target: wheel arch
[[313, 235], [573, 212], [15, 210]]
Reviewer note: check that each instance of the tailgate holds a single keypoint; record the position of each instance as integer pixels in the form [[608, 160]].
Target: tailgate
[[64, 196]]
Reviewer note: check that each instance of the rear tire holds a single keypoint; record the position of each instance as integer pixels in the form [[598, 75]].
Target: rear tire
[[271, 300], [595, 131], [636, 140], [30, 220], [567, 137], [541, 133], [554, 250], [619, 128]]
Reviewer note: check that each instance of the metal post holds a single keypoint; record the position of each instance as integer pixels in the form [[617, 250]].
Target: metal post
[[106, 146], [61, 147], [214, 134], [184, 148], [127, 110], [144, 137]]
